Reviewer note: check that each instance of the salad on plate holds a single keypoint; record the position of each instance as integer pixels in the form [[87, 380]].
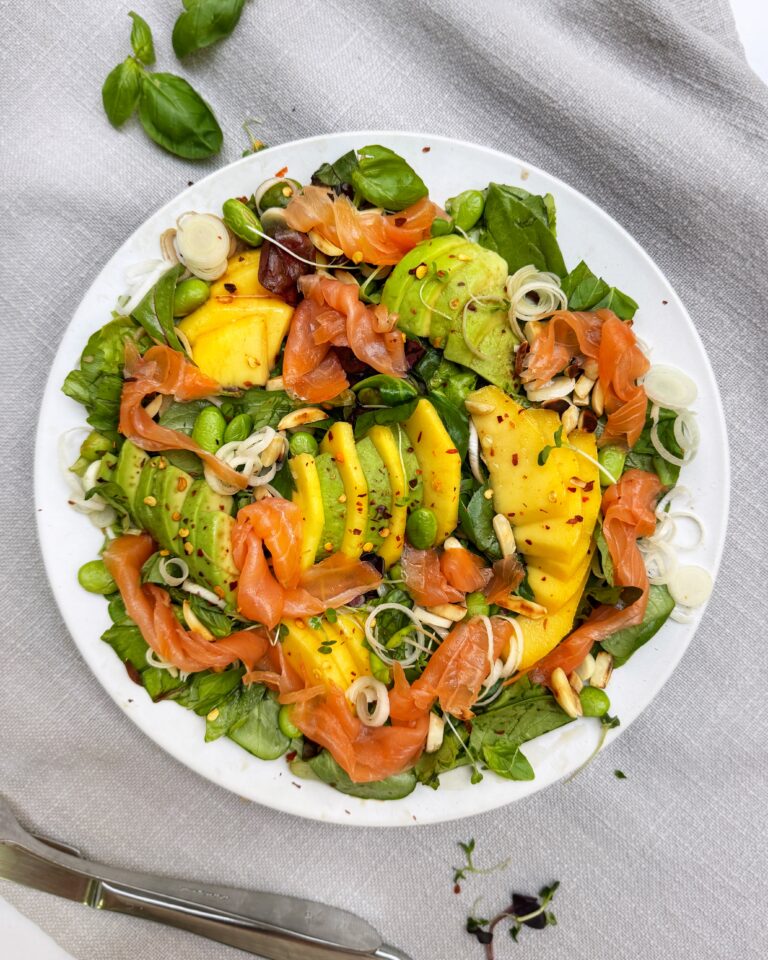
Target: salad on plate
[[386, 487]]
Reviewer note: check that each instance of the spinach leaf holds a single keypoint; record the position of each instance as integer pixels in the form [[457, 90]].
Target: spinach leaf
[[455, 420], [386, 180], [211, 617], [141, 39], [160, 685], [455, 383], [643, 455], [127, 642], [260, 734], [388, 415], [120, 92], [586, 291], [117, 612], [98, 383], [624, 643], [155, 312], [518, 223], [381, 388], [266, 407], [204, 22], [114, 495], [476, 517], [605, 555], [232, 712], [337, 174], [526, 712], [177, 118], [325, 768], [450, 755], [181, 416], [206, 690]]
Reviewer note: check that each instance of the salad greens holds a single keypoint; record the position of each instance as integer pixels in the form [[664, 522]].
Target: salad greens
[[204, 22], [467, 512]]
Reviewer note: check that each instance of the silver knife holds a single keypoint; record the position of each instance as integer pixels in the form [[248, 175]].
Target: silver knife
[[272, 926]]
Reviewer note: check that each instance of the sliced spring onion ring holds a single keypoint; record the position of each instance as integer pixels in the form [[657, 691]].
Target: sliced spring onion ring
[[364, 691], [669, 387], [660, 560], [203, 593], [546, 286], [246, 457], [173, 580], [202, 243], [690, 586], [380, 650], [473, 452]]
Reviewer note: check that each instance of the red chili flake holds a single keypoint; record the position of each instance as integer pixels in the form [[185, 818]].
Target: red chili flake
[[585, 499], [571, 489], [452, 450], [499, 418], [456, 887], [282, 172], [543, 579], [529, 542], [515, 459], [290, 757], [491, 452], [358, 532], [418, 439], [576, 519], [425, 149], [401, 222], [546, 526], [230, 288], [589, 486]]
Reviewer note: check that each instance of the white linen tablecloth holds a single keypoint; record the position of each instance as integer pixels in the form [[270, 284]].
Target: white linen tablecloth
[[648, 107]]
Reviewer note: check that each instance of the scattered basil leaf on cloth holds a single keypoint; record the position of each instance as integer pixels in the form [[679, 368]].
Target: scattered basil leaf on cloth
[[177, 118], [386, 180], [141, 39], [204, 22], [120, 93]]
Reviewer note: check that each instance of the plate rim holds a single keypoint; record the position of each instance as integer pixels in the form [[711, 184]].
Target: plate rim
[[359, 815]]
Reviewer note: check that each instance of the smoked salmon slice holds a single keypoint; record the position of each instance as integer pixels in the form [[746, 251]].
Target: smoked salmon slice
[[425, 579], [368, 236], [628, 513], [149, 606], [464, 570], [168, 372]]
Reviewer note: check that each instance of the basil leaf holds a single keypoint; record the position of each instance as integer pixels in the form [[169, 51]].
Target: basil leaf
[[265, 407], [325, 768], [260, 733], [450, 755], [453, 382], [336, 174], [386, 180], [120, 92], [208, 689], [127, 642], [211, 617], [177, 118], [381, 388], [233, 712], [181, 416], [624, 643], [518, 223], [389, 415], [476, 516], [508, 761], [155, 312], [141, 39], [622, 305], [586, 291], [204, 22]]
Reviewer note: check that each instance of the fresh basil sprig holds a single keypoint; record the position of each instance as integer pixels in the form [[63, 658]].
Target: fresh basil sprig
[[172, 113], [204, 22]]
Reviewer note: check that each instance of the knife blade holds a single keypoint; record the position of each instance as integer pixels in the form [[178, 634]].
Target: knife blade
[[271, 925]]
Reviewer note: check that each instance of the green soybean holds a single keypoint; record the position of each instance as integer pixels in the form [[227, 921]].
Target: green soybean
[[441, 227], [239, 428], [379, 669], [594, 702], [287, 727], [189, 295], [395, 572], [209, 428], [421, 528], [611, 459], [302, 442], [95, 578], [466, 208], [279, 194], [477, 605], [243, 222]]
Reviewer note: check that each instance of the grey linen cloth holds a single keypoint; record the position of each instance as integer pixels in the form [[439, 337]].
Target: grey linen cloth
[[646, 106]]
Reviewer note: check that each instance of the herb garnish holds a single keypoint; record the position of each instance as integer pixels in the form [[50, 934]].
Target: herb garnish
[[523, 911], [461, 873], [545, 451], [204, 22], [619, 774]]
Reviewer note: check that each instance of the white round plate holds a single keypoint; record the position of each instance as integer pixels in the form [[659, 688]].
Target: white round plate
[[68, 540]]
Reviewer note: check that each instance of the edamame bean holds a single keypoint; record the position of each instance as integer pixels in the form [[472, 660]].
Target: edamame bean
[[302, 442], [421, 528], [594, 702], [243, 222], [441, 227], [287, 727], [466, 208], [395, 572], [239, 428], [279, 195], [477, 605], [95, 578], [611, 459], [379, 669], [189, 295], [209, 429]]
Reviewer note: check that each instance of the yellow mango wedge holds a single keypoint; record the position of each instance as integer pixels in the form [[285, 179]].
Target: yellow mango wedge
[[340, 443], [346, 657], [310, 499], [541, 636], [386, 447], [440, 465]]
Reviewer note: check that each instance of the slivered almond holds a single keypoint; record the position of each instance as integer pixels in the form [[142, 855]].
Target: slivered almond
[[603, 670], [193, 623], [276, 383], [564, 693], [275, 451], [586, 667], [153, 407], [583, 387], [323, 245], [598, 399], [576, 682], [504, 534], [300, 418], [451, 611], [591, 369], [451, 544], [570, 420], [526, 608]]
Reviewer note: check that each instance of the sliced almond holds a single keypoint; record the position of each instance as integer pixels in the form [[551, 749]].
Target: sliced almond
[[153, 407], [452, 544], [533, 329], [591, 369], [570, 420], [300, 418], [193, 623], [603, 670], [435, 733], [323, 245], [526, 608], [451, 611], [598, 399], [553, 390], [583, 387], [576, 682], [276, 383], [504, 534], [564, 693], [586, 667], [276, 450]]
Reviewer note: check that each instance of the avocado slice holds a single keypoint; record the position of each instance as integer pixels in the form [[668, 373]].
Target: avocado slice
[[170, 488], [212, 542], [403, 290], [200, 499], [490, 333], [414, 485], [334, 508], [130, 461], [480, 273], [379, 494], [147, 511]]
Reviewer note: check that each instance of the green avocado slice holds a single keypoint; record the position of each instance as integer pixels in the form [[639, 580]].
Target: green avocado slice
[[414, 485], [147, 510], [335, 511], [130, 461], [200, 499], [212, 542], [491, 335], [171, 487], [402, 283], [379, 492]]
